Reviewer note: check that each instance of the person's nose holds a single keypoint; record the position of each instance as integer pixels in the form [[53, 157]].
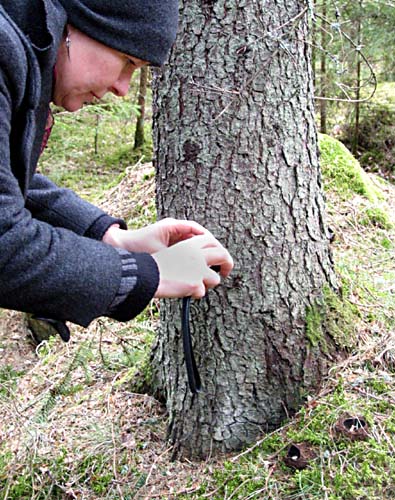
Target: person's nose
[[121, 87]]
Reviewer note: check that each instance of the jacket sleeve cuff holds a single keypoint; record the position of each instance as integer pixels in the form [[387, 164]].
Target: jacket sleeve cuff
[[139, 282], [97, 230]]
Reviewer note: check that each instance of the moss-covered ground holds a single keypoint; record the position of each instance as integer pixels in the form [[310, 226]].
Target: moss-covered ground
[[72, 427]]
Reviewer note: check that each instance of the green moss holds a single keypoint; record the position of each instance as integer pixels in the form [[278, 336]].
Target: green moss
[[377, 217], [8, 380], [126, 155], [342, 469], [332, 315], [342, 173], [22, 483], [379, 385], [386, 243], [141, 382], [96, 471], [314, 322]]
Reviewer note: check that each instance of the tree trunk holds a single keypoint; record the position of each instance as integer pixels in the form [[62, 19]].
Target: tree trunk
[[314, 41], [323, 76], [139, 134], [358, 85], [236, 150]]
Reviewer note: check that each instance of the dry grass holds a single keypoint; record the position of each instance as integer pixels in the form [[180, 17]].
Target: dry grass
[[75, 398], [134, 197]]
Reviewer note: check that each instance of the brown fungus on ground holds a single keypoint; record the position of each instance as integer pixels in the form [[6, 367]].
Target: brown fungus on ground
[[354, 428], [299, 455]]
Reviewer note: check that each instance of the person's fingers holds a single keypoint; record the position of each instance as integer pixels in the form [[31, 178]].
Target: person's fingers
[[199, 291], [185, 267], [211, 279], [215, 254], [202, 241], [191, 226], [179, 230], [219, 257]]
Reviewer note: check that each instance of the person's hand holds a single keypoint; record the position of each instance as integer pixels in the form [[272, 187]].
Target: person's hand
[[184, 268], [153, 238]]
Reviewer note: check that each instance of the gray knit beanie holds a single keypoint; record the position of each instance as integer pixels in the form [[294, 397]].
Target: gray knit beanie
[[145, 29]]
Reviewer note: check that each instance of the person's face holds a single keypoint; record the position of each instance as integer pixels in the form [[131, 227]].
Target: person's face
[[92, 70]]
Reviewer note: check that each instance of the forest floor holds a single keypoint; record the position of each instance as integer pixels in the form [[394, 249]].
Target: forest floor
[[71, 427]]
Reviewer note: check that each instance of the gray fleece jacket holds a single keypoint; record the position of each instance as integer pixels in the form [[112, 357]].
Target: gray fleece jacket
[[52, 262]]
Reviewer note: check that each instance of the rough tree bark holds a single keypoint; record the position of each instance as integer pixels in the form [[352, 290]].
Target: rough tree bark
[[237, 151]]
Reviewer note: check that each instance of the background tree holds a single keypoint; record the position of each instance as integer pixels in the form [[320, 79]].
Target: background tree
[[139, 134], [323, 72], [352, 62], [236, 150]]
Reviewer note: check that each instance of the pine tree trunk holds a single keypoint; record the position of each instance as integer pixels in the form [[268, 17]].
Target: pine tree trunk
[[237, 151]]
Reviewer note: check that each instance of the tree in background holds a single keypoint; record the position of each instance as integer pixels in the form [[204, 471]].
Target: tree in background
[[323, 77], [139, 134], [236, 150], [352, 48]]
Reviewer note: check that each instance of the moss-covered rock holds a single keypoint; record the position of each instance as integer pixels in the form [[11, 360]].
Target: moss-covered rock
[[344, 177], [342, 172]]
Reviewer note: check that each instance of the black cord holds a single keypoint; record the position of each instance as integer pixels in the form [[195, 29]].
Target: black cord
[[190, 363], [192, 372]]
